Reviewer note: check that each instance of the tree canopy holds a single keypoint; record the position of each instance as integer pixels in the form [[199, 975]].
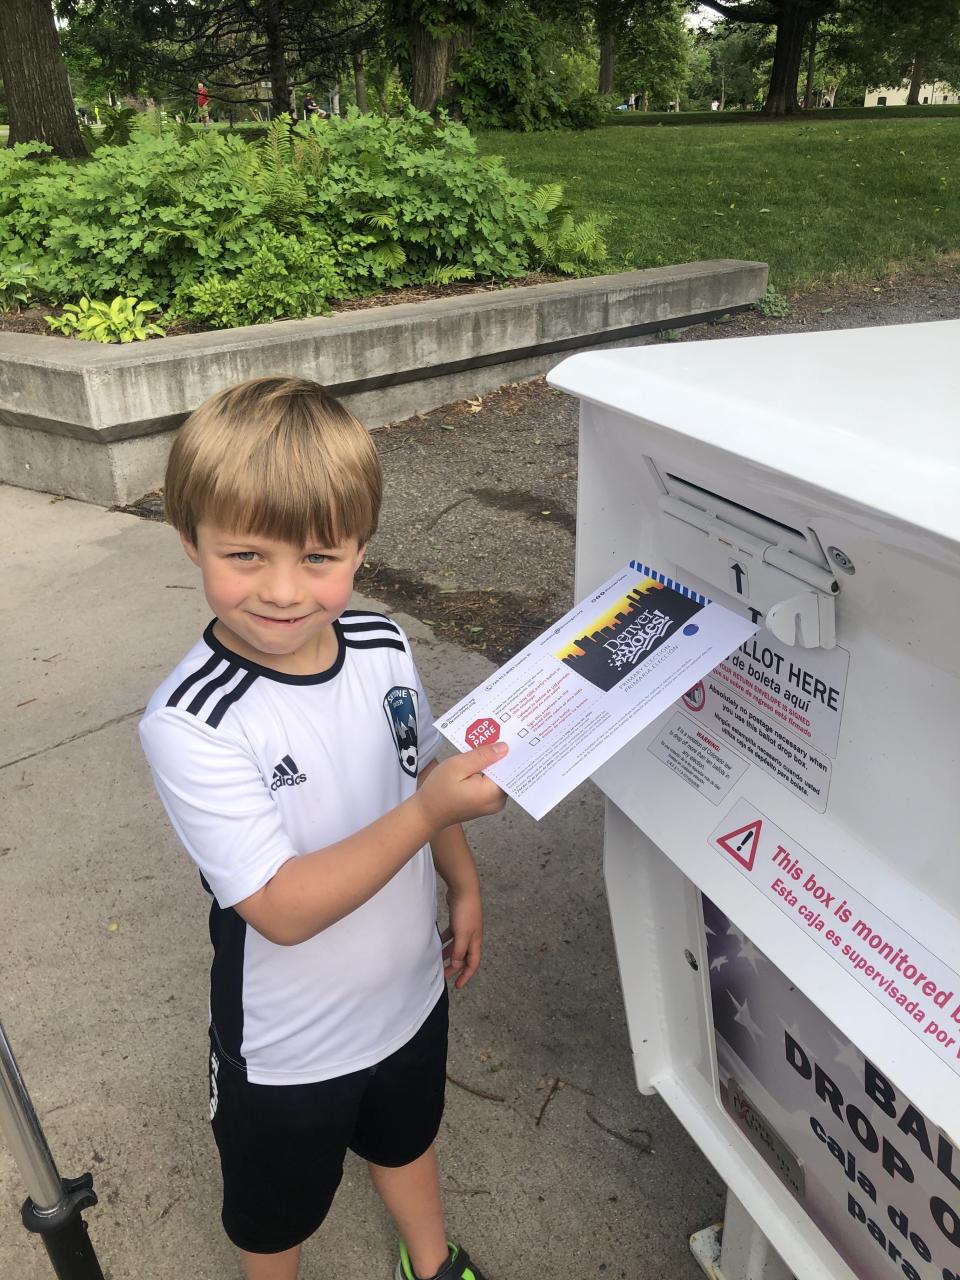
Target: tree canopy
[[494, 63], [893, 38]]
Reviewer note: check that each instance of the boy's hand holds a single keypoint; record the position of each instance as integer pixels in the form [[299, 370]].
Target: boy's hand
[[463, 940], [456, 790]]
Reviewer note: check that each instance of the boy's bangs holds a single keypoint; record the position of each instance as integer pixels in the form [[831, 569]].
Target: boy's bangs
[[266, 496], [279, 458]]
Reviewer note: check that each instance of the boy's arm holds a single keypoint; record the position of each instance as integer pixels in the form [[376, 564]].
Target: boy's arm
[[311, 892], [463, 939]]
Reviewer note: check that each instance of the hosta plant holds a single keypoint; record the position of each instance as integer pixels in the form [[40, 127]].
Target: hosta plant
[[122, 320]]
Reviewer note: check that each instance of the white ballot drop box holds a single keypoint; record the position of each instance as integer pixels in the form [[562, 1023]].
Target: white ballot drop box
[[781, 851]]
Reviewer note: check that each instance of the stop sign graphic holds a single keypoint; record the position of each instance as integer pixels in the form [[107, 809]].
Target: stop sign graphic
[[481, 731]]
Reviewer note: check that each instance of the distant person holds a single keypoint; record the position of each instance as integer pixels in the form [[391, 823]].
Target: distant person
[[83, 114], [715, 105], [632, 102], [827, 102], [293, 749], [203, 99], [310, 108]]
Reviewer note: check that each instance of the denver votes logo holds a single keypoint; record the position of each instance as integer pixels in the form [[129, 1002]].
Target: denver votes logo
[[400, 706], [617, 641]]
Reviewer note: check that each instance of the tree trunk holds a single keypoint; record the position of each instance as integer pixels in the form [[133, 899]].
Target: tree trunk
[[460, 40], [916, 83], [35, 78], [608, 58], [723, 90], [276, 58], [787, 55], [646, 100], [811, 65], [359, 82], [429, 57]]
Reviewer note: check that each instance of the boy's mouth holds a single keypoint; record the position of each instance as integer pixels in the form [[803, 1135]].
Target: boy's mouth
[[279, 622]]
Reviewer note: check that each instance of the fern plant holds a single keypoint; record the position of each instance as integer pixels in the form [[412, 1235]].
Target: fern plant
[[117, 128], [562, 244]]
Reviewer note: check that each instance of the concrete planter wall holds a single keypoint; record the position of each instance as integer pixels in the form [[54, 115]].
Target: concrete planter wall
[[95, 422]]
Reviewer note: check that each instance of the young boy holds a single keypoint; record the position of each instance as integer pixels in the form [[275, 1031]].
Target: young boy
[[292, 748]]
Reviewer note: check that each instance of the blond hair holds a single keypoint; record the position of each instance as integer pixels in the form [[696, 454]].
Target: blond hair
[[276, 457]]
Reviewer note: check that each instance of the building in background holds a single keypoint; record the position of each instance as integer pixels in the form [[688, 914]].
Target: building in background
[[897, 97]]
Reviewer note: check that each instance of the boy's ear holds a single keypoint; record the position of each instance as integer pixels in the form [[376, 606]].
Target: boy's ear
[[190, 548]]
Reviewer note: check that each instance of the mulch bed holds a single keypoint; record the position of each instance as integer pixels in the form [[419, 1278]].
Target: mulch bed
[[32, 319]]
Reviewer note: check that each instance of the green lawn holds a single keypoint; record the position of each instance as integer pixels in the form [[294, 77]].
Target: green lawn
[[864, 115], [819, 202]]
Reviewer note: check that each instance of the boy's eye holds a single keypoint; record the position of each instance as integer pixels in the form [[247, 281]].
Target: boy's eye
[[317, 557], [245, 556]]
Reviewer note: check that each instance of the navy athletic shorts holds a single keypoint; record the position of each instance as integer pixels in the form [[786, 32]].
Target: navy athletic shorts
[[282, 1147]]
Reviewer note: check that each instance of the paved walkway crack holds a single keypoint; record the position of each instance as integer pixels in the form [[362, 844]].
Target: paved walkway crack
[[74, 737]]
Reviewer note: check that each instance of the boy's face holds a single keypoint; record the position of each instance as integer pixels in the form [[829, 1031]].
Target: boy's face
[[276, 602]]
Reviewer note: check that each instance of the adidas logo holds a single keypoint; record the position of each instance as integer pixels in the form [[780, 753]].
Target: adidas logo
[[286, 774]]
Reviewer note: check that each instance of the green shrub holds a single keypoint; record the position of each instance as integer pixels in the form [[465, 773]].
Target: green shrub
[[287, 278], [773, 303], [230, 231], [17, 285], [586, 111]]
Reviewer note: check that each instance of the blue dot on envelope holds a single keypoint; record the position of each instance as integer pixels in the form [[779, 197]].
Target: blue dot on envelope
[[690, 629]]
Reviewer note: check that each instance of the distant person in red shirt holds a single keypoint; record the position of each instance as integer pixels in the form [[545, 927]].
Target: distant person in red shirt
[[202, 99]]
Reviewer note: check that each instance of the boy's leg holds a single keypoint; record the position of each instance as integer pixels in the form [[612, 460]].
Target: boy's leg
[[395, 1133], [411, 1193], [270, 1266]]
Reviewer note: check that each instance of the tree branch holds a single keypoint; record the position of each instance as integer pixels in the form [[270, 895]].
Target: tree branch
[[736, 13]]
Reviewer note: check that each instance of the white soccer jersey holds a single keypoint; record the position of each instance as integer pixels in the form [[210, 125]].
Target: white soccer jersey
[[255, 767]]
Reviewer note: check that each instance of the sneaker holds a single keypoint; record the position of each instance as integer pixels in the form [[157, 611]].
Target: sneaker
[[457, 1267]]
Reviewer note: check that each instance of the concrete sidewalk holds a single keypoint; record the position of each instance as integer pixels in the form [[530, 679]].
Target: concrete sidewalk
[[105, 957]]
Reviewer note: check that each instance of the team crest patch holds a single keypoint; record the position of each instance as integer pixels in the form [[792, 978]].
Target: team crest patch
[[400, 704]]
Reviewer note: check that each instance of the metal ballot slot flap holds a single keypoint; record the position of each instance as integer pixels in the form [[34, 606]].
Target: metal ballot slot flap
[[781, 845], [779, 571]]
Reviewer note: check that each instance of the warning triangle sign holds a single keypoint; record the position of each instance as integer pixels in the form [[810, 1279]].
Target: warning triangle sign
[[743, 843]]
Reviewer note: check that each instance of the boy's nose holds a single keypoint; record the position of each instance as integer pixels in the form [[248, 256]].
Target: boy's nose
[[280, 588]]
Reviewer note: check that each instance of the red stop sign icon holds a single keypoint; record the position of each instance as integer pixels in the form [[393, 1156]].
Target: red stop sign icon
[[481, 731]]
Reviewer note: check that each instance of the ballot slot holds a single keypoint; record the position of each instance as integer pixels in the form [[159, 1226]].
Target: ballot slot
[[775, 569]]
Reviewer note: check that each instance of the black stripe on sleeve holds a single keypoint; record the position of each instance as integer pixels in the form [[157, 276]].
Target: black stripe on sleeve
[[227, 701], [205, 692], [385, 643], [208, 667], [380, 625]]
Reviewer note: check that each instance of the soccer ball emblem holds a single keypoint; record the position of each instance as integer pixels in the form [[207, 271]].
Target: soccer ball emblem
[[408, 760]]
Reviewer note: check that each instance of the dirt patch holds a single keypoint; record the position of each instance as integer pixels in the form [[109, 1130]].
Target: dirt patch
[[29, 320], [495, 623]]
